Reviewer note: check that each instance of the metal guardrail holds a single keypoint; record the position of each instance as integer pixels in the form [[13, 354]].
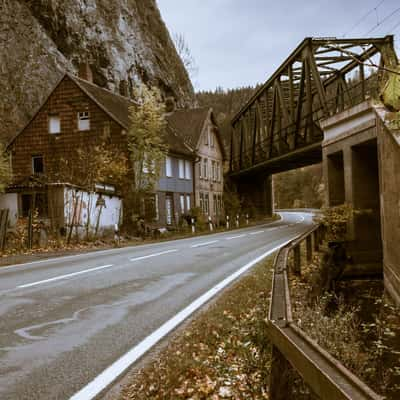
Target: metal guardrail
[[326, 376]]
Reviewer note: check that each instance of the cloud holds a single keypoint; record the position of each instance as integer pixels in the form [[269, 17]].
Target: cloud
[[239, 43]]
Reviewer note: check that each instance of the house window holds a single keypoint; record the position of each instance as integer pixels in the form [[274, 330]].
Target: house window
[[211, 138], [149, 167], [181, 164], [206, 204], [202, 202], [205, 168], [188, 169], [54, 124], [201, 168], [213, 171], [157, 211], [188, 205], [206, 137], [168, 167], [169, 209], [36, 201], [83, 121], [182, 203], [218, 172], [37, 165]]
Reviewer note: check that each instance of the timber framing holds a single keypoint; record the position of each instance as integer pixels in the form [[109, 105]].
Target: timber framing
[[321, 77]]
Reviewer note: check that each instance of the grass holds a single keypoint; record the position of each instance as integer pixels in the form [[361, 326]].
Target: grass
[[223, 353]]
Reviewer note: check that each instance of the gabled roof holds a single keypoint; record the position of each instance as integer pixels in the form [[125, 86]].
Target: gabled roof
[[189, 123], [176, 144], [116, 106]]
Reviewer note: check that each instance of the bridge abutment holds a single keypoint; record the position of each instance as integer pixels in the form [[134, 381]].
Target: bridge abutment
[[361, 161], [350, 161]]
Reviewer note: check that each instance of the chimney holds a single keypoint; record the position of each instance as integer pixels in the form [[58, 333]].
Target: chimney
[[123, 88], [85, 72]]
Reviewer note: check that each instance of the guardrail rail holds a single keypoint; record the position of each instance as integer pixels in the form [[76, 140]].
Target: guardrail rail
[[325, 376]]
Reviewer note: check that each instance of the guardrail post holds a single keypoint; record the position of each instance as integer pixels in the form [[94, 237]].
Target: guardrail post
[[309, 248], [279, 379], [316, 240], [297, 260], [322, 233]]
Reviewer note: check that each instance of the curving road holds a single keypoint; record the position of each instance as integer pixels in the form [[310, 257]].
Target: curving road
[[64, 321]]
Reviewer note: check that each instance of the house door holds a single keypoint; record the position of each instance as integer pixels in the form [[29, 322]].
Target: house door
[[169, 208]]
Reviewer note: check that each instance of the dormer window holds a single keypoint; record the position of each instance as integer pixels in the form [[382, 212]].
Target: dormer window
[[83, 121], [54, 124]]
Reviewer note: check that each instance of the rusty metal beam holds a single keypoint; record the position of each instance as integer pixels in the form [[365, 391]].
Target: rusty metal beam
[[299, 91]]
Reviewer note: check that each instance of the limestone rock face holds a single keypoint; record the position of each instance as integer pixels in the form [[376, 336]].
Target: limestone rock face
[[122, 40]]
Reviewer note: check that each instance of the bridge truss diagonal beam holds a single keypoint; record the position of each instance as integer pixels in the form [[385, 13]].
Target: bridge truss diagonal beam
[[321, 77]]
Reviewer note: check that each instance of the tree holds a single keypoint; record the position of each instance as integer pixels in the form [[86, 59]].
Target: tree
[[98, 165], [299, 188], [185, 54], [146, 144]]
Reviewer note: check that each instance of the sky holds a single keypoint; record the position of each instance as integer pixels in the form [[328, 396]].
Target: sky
[[242, 42]]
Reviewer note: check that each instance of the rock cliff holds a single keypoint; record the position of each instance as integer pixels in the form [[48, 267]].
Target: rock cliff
[[123, 41]]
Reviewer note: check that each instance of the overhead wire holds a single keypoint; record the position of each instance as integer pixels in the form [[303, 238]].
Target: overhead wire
[[364, 17], [379, 23], [393, 29]]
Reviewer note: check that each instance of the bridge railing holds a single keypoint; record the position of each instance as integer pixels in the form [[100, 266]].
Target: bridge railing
[[324, 375]]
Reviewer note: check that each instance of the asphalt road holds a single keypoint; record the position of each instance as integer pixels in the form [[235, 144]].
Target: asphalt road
[[64, 320]]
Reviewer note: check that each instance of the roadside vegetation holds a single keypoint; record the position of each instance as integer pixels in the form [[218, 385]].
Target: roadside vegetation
[[223, 353], [362, 330]]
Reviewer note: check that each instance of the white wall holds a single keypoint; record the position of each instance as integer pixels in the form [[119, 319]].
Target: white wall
[[109, 215], [10, 201]]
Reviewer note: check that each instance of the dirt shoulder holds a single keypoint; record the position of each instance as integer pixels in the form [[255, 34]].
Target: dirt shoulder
[[221, 353]]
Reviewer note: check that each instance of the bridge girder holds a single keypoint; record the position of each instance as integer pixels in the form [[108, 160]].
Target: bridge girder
[[316, 81]]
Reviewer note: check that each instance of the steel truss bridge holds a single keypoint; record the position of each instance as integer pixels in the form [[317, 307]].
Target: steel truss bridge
[[278, 128]]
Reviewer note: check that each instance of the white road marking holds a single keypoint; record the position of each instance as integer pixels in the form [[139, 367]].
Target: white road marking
[[110, 374], [58, 278], [235, 237], [193, 246], [154, 255], [257, 233]]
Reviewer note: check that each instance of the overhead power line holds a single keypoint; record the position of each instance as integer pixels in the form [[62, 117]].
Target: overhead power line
[[383, 21], [393, 29], [364, 17]]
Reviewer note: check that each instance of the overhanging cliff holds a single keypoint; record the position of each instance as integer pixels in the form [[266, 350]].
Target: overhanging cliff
[[123, 40]]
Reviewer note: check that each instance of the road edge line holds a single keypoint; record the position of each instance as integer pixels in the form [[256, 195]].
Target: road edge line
[[115, 370]]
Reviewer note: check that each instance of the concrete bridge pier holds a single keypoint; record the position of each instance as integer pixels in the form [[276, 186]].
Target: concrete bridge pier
[[351, 170], [256, 194]]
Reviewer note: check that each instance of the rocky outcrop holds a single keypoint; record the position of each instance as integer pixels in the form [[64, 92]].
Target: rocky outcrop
[[124, 41]]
